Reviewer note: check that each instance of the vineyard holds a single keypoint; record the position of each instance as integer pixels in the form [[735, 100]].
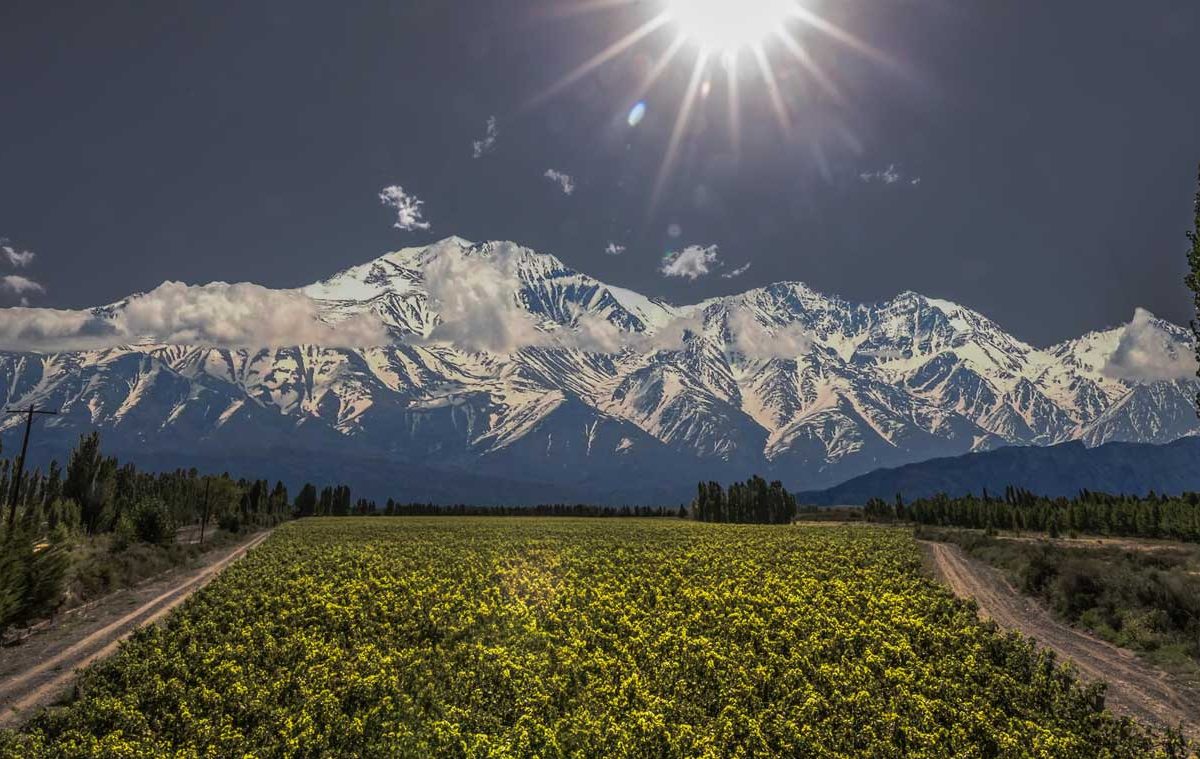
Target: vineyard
[[499, 637]]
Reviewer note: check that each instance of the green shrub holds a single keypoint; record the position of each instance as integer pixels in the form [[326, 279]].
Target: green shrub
[[13, 579], [152, 522], [32, 577]]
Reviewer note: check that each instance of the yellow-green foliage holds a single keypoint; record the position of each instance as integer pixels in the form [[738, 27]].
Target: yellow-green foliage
[[585, 638]]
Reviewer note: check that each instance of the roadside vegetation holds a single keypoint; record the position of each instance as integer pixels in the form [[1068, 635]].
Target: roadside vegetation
[[1139, 595], [73, 534], [1152, 516]]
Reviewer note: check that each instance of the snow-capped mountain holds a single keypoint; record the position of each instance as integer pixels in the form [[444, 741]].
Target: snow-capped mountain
[[497, 370]]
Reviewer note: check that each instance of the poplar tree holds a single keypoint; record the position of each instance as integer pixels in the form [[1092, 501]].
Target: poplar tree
[[1193, 278]]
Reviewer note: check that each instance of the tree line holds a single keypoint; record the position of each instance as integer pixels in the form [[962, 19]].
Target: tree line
[[753, 501], [96, 497], [1152, 516]]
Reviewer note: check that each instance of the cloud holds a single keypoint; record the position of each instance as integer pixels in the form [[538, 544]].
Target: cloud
[[739, 271], [614, 249], [241, 315], [49, 329], [890, 175], [475, 295], [565, 182], [484, 146], [408, 208], [692, 262], [15, 283], [17, 258], [670, 336], [756, 341], [1147, 352], [595, 334]]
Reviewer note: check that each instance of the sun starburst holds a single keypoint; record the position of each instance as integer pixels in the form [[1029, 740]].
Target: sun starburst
[[728, 25], [722, 32]]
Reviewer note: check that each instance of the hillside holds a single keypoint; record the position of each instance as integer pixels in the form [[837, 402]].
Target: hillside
[[461, 371], [1059, 470]]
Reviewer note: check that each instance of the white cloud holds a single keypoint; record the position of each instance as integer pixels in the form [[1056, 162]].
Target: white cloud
[[890, 175], [613, 249], [670, 336], [409, 215], [17, 258], [239, 315], [15, 283], [484, 146], [565, 182], [1146, 352], [692, 262], [50, 329], [475, 296], [739, 271], [756, 341], [595, 334]]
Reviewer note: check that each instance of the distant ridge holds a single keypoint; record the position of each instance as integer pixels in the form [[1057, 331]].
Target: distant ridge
[[1057, 470], [516, 376]]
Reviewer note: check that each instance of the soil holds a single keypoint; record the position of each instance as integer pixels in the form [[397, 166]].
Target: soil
[[1135, 688], [42, 667]]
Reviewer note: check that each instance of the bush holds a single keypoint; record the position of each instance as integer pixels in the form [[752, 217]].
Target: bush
[[47, 579], [32, 577], [123, 536], [229, 522], [13, 579], [152, 522]]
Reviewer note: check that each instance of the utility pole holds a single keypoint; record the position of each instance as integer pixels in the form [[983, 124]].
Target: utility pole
[[204, 521], [29, 412]]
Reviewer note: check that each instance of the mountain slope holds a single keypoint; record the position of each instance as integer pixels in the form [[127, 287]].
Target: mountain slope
[[1059, 470], [503, 362]]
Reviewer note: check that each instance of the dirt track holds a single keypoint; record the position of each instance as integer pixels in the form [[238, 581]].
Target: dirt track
[[1134, 687], [36, 675]]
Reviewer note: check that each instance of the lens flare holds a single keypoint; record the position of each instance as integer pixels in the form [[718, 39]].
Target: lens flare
[[636, 114], [723, 33]]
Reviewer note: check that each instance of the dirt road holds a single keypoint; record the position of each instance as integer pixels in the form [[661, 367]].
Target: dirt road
[[1134, 687], [36, 672]]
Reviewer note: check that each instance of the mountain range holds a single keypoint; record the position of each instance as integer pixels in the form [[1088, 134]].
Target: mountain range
[[496, 374], [1055, 471]]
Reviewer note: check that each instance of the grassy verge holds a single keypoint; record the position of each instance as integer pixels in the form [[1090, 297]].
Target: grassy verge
[[1140, 595], [97, 569], [87, 568]]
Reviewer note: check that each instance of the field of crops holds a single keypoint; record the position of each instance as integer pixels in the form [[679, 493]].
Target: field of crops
[[560, 637]]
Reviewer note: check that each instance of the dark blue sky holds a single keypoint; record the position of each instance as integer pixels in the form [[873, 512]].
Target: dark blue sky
[[1056, 145]]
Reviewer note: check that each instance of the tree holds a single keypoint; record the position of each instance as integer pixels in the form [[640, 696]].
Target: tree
[[306, 501], [278, 500], [752, 501], [1193, 278], [90, 480]]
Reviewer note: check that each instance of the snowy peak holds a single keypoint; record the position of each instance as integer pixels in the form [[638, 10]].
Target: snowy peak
[[496, 358]]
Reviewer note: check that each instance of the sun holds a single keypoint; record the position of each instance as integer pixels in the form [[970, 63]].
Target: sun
[[733, 34], [727, 26]]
